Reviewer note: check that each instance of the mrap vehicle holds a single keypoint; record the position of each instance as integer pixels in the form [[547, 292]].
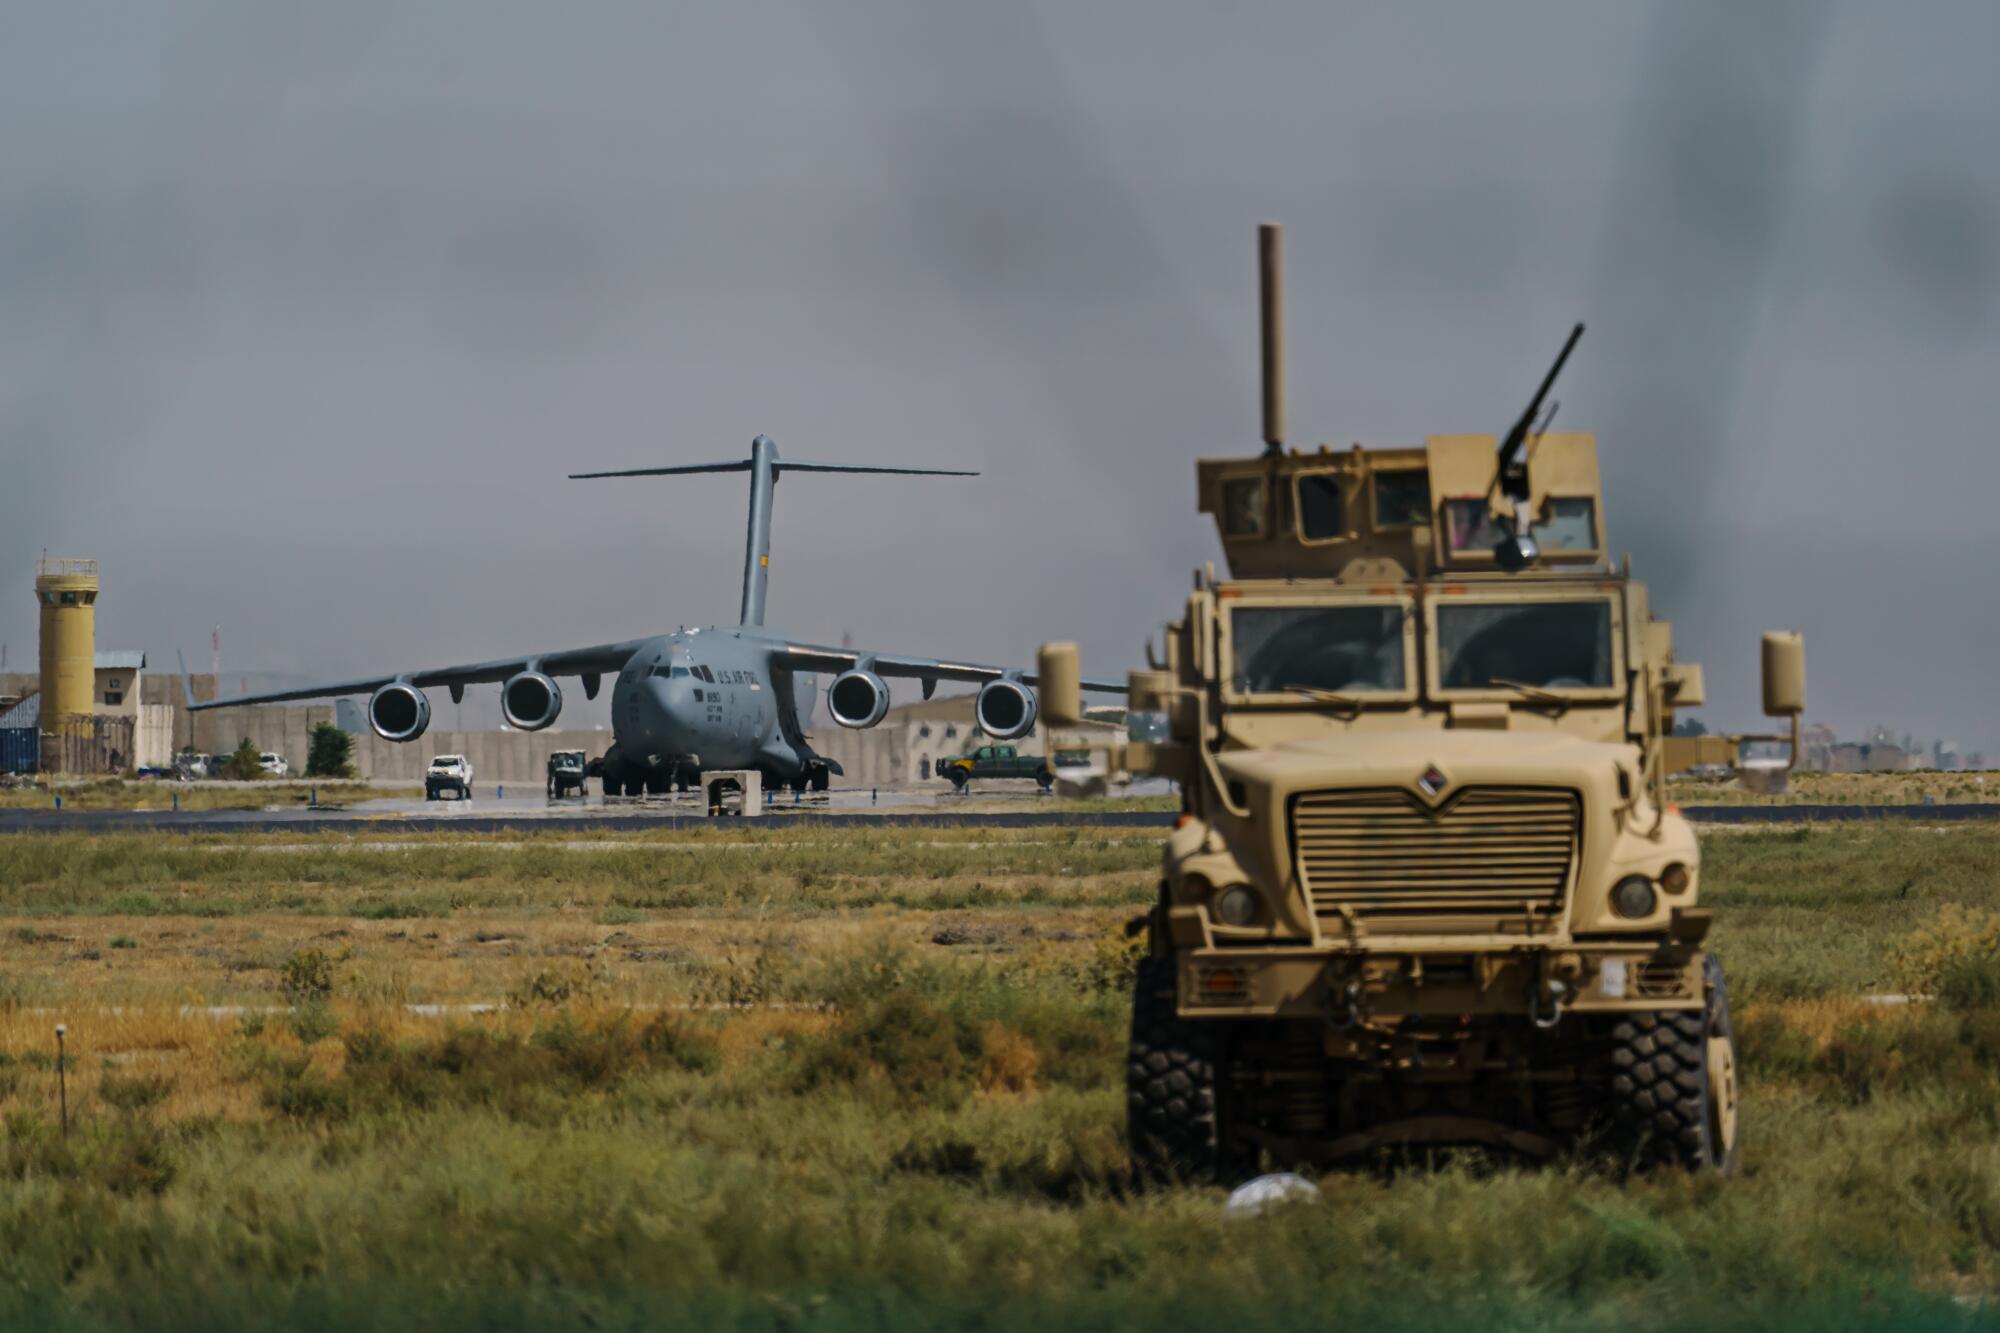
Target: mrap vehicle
[[1426, 887]]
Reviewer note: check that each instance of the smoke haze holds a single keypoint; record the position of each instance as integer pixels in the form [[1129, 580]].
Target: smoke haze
[[310, 309]]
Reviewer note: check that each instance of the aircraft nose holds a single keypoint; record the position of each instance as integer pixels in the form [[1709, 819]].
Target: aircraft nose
[[675, 711]]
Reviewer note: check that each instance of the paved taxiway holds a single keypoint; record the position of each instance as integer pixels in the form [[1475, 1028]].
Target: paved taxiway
[[918, 808]]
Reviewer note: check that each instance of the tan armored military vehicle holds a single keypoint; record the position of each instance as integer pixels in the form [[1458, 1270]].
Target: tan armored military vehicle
[[1426, 887]]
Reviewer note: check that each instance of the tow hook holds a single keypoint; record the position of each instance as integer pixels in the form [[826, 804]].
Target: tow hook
[[1556, 990], [1353, 1018]]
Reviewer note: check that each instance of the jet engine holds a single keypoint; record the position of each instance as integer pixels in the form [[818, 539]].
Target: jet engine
[[399, 712], [530, 701], [857, 699], [1005, 709]]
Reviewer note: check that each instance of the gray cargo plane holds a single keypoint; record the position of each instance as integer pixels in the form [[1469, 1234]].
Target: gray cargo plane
[[717, 698]]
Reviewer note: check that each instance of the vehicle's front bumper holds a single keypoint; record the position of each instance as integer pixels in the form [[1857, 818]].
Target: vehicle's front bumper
[[1471, 977]]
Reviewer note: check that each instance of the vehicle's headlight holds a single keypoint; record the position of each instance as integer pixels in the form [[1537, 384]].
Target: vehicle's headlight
[[1634, 897], [1236, 905], [1675, 878]]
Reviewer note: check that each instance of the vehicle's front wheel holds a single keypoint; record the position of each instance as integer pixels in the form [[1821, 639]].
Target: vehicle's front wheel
[[958, 779], [1673, 1084], [822, 777], [1173, 1072]]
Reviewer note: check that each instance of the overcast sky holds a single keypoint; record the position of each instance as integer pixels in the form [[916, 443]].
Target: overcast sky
[[307, 311]]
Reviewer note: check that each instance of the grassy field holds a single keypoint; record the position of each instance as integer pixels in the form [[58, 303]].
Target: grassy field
[[1805, 788], [121, 794], [856, 1078]]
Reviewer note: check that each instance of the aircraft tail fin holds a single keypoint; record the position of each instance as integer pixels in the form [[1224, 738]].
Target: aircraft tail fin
[[765, 466]]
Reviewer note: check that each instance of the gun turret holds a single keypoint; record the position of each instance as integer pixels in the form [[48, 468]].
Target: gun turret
[[1512, 477]]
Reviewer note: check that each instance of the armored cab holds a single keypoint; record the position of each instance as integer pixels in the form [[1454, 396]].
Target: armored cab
[[1426, 886]]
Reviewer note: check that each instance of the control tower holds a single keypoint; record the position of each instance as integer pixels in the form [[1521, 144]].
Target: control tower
[[67, 590]]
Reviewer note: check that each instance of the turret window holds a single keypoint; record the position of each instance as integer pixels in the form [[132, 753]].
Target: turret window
[[1243, 507], [1321, 517], [1402, 498]]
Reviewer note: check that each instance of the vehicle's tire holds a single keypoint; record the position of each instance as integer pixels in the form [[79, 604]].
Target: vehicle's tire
[[1173, 1069], [958, 779], [1673, 1084], [822, 777], [1045, 780]]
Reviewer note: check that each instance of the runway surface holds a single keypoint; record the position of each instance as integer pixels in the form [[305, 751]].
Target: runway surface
[[524, 815]]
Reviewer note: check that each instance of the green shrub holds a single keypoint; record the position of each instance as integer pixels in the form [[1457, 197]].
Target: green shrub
[[124, 942], [1955, 936], [132, 1093], [557, 983], [312, 1021], [126, 1157], [328, 750], [307, 975], [536, 1078], [245, 763]]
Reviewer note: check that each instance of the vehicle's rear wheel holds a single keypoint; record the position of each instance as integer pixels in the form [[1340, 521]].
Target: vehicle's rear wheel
[[822, 777], [1045, 779], [1173, 1070], [1673, 1084]]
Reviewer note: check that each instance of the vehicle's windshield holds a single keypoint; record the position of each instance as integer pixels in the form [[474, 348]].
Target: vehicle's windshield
[[1341, 648], [1549, 645], [445, 761]]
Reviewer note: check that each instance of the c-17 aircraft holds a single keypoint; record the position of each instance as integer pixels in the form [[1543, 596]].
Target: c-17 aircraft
[[695, 699]]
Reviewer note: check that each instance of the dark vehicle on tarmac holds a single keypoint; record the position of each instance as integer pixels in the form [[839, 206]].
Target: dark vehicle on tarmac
[[995, 761], [566, 773]]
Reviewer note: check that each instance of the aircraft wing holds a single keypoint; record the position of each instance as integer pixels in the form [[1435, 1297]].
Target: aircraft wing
[[930, 670], [602, 660]]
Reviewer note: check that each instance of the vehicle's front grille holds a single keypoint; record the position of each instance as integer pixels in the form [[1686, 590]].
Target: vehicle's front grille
[[1489, 855]]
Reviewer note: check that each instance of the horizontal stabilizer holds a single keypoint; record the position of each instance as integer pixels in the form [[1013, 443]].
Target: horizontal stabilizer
[[792, 465], [739, 465]]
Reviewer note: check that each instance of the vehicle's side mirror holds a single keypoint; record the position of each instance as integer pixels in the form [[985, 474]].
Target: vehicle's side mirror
[[1784, 674], [1060, 683]]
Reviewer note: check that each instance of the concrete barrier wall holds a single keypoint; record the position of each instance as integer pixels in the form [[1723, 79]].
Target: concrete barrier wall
[[497, 756]]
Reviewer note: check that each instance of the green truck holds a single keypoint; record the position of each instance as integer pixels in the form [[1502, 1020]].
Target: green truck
[[995, 761]]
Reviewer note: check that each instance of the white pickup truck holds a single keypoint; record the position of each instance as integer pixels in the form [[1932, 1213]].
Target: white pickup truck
[[448, 773]]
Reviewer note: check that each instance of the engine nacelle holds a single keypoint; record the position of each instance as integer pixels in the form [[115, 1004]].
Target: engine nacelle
[[857, 699], [530, 701], [1005, 709], [399, 712]]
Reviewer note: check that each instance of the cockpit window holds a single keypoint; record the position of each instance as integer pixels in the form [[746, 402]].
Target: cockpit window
[[1549, 645], [1344, 648]]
